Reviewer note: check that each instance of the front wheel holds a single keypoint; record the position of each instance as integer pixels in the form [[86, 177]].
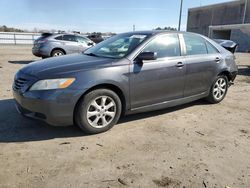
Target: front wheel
[[98, 111], [218, 90]]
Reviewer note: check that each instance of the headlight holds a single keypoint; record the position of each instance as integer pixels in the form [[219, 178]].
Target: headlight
[[52, 84]]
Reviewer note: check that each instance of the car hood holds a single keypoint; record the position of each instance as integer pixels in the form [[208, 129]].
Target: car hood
[[65, 64]]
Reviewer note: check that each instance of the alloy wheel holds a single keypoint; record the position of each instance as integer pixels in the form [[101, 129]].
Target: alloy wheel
[[219, 89], [58, 54], [101, 111]]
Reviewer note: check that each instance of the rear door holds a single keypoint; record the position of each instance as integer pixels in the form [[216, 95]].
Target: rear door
[[160, 80], [201, 61]]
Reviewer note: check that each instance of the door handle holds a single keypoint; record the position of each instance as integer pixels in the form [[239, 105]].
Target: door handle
[[179, 64], [217, 59]]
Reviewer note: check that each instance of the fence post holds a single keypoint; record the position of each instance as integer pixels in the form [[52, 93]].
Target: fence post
[[15, 38]]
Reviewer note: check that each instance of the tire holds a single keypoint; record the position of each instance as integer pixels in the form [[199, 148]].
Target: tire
[[56, 53], [98, 111], [218, 90]]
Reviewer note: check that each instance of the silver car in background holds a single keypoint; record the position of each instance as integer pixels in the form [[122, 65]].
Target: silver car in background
[[51, 45]]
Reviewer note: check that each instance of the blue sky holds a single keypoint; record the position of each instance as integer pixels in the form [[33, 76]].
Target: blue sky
[[88, 16]]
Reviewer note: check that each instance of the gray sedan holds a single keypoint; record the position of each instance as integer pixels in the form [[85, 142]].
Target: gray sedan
[[125, 74]]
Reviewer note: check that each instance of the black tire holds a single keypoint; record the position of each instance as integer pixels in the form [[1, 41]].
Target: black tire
[[84, 105], [212, 98], [56, 53]]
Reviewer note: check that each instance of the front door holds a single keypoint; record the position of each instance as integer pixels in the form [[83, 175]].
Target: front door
[[159, 80]]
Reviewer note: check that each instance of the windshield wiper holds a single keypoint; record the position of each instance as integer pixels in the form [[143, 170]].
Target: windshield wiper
[[91, 54], [94, 55]]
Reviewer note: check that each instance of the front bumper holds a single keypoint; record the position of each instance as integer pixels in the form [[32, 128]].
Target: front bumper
[[55, 107]]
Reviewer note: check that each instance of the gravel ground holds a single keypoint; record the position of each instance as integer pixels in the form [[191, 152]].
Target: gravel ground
[[194, 145]]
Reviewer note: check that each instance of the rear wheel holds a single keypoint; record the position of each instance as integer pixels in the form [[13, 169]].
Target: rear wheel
[[218, 90], [98, 111], [56, 53]]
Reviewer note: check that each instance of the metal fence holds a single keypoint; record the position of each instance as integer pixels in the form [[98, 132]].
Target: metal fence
[[18, 38]]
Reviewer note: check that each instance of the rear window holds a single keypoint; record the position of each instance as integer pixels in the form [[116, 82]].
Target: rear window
[[211, 49], [195, 45]]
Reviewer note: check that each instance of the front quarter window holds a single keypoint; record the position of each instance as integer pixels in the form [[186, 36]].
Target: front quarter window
[[82, 40], [118, 46], [165, 46]]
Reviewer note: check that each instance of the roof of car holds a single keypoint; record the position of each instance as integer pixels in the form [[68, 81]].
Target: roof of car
[[154, 32]]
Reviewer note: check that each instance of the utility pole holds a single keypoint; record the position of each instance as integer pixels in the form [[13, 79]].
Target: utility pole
[[179, 27], [133, 27], [245, 11]]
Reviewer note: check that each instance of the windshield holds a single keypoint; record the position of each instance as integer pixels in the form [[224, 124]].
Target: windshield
[[118, 46]]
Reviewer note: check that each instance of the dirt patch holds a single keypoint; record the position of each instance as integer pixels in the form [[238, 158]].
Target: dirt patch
[[192, 145], [167, 182], [244, 131]]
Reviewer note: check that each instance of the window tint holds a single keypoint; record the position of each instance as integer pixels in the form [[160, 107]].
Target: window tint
[[71, 38], [195, 45], [165, 46], [211, 49], [59, 38]]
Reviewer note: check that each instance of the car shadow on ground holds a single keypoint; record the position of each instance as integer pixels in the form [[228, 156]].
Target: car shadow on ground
[[244, 70], [144, 115], [22, 62], [16, 128]]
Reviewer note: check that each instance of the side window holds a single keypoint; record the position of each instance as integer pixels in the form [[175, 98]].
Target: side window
[[166, 46], [59, 38], [195, 45], [211, 49], [82, 40], [71, 38]]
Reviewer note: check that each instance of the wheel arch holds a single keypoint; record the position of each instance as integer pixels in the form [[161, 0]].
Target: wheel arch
[[227, 74], [57, 49], [109, 86]]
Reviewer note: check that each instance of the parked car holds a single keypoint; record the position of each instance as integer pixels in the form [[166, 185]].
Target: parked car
[[96, 38], [125, 74], [51, 45], [227, 44]]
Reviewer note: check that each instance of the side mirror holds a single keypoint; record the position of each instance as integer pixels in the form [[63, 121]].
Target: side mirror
[[147, 56], [90, 44]]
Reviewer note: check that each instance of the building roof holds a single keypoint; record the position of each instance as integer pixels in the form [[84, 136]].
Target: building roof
[[235, 2]]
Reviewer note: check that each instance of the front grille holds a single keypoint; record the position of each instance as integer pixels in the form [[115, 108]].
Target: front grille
[[22, 82], [19, 83]]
